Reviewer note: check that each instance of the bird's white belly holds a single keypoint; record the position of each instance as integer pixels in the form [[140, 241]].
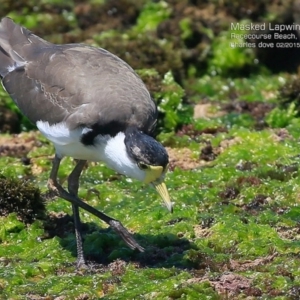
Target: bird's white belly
[[67, 142], [79, 151]]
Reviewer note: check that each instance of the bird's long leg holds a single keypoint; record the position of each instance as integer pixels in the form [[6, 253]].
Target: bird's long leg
[[116, 225], [73, 185], [52, 181]]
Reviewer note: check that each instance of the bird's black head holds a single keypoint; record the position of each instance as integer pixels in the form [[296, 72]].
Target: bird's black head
[[144, 149], [151, 157]]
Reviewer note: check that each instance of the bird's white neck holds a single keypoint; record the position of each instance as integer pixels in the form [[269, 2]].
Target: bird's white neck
[[114, 154]]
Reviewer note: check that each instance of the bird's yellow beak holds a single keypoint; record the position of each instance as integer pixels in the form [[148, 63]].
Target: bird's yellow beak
[[162, 190], [153, 175]]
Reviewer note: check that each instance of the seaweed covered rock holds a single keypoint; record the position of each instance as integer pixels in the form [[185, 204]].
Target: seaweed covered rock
[[9, 120], [22, 198], [290, 92]]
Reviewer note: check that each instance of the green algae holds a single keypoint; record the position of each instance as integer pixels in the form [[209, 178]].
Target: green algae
[[30, 263], [151, 16], [279, 118], [253, 88], [227, 57], [170, 102]]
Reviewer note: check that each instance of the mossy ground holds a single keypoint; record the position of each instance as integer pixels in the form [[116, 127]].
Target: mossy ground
[[234, 177]]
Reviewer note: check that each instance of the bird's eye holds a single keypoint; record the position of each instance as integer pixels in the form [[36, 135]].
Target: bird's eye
[[142, 166]]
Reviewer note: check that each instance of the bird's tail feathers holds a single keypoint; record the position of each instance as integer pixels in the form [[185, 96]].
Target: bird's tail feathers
[[16, 45]]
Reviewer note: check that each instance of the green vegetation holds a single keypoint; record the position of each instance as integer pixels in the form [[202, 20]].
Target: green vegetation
[[151, 16], [228, 58], [234, 233]]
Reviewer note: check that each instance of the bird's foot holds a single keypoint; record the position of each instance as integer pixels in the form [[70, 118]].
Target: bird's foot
[[53, 187], [125, 235], [81, 264]]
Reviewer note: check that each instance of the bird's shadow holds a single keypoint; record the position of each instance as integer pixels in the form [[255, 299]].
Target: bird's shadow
[[103, 245]]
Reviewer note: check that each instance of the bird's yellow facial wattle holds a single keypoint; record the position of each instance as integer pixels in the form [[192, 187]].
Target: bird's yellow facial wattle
[[153, 173], [155, 176]]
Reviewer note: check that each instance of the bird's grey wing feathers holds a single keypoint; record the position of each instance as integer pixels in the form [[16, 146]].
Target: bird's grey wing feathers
[[77, 84], [16, 42]]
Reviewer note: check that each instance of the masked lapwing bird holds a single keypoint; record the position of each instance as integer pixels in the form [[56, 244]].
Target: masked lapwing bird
[[92, 106]]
